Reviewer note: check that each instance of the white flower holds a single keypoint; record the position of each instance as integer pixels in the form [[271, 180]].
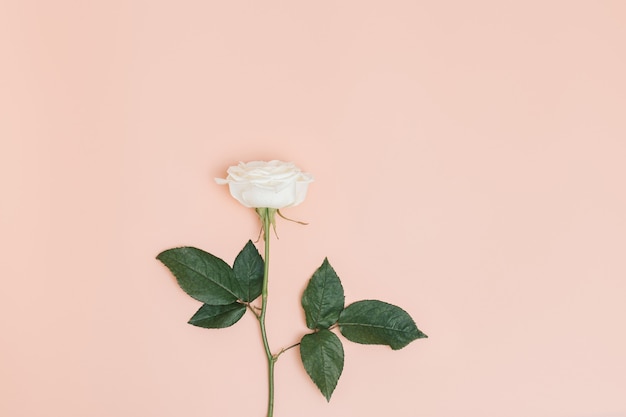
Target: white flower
[[273, 184]]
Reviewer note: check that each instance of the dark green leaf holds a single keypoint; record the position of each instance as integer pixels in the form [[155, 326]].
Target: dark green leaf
[[323, 298], [202, 275], [322, 357], [218, 317], [248, 269], [374, 322]]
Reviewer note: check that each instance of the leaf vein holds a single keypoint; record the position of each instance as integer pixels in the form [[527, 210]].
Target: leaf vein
[[205, 276], [374, 326]]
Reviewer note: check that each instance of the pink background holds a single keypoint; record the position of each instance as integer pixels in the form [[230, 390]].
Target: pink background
[[469, 165]]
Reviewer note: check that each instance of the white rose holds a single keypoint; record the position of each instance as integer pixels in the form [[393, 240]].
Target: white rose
[[273, 184]]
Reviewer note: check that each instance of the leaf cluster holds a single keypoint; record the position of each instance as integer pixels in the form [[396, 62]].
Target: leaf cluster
[[370, 322], [225, 291]]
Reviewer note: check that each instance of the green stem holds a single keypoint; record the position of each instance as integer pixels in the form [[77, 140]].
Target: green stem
[[271, 360]]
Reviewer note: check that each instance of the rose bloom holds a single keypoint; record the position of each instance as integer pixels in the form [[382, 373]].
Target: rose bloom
[[273, 184]]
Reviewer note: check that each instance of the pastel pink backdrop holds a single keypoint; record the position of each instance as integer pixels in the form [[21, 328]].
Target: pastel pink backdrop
[[469, 165]]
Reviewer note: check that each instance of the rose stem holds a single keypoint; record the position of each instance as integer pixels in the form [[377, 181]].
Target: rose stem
[[271, 360]]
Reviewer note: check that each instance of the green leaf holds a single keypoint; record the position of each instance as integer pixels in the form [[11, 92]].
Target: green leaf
[[374, 322], [202, 275], [323, 298], [218, 317], [322, 357], [248, 269]]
